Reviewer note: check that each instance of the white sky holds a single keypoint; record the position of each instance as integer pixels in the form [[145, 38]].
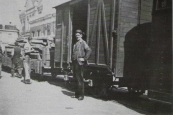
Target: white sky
[[9, 11]]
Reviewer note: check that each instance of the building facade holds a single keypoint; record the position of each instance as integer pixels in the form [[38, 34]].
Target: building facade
[[8, 33], [38, 18]]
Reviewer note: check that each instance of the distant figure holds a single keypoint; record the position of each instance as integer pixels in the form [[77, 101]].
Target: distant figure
[[1, 54], [27, 50], [17, 62], [81, 52]]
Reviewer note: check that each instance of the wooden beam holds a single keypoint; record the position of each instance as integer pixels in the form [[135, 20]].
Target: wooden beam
[[94, 26], [88, 21], [112, 23], [75, 1], [98, 35], [69, 36], [105, 31], [62, 37]]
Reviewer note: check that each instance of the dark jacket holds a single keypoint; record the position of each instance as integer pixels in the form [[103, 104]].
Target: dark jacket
[[81, 50], [17, 53]]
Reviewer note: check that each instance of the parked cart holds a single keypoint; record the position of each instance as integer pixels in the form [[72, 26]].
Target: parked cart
[[41, 60]]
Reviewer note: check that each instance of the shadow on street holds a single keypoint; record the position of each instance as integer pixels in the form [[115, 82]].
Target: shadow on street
[[140, 104]]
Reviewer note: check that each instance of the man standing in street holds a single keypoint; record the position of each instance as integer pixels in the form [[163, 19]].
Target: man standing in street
[[27, 50], [81, 52], [17, 62]]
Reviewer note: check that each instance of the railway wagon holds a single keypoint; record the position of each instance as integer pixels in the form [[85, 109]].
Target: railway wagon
[[107, 24], [161, 88]]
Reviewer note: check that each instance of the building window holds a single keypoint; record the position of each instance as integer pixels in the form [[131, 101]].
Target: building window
[[48, 32], [40, 8], [54, 27], [27, 18], [9, 27], [33, 34], [48, 29], [38, 33], [1, 26]]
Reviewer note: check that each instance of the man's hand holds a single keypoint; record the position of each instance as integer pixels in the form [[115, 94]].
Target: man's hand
[[81, 59], [22, 58], [32, 50]]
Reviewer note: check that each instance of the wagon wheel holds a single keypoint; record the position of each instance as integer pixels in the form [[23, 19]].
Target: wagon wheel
[[53, 74], [32, 72], [101, 91], [131, 90]]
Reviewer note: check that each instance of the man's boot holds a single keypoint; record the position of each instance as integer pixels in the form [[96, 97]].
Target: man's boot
[[12, 73]]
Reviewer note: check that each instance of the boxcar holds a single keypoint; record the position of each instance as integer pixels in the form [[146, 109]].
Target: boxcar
[[112, 30], [161, 88]]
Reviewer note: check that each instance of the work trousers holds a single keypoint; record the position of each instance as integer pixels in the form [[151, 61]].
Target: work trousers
[[17, 66], [78, 76], [26, 64]]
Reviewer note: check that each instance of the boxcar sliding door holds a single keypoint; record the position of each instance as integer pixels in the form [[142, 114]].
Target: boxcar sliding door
[[99, 36]]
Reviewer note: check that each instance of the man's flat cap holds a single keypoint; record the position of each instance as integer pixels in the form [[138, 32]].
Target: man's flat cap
[[79, 31]]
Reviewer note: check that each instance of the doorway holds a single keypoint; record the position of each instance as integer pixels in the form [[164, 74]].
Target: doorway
[[79, 18]]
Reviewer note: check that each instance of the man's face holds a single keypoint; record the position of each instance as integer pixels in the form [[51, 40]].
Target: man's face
[[78, 36]]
